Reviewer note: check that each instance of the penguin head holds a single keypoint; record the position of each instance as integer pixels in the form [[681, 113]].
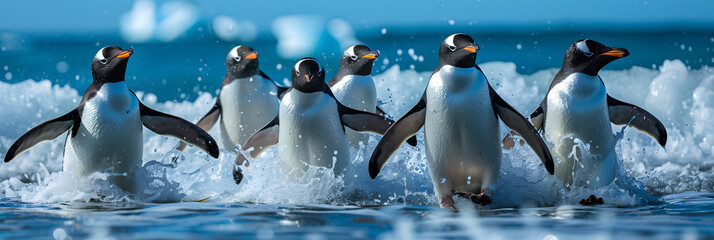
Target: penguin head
[[242, 61], [458, 50], [109, 64], [308, 76], [588, 56], [358, 60]]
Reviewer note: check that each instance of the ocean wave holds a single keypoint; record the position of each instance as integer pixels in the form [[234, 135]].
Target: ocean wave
[[682, 98]]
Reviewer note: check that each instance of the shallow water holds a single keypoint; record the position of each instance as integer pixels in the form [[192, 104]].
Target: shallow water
[[683, 216], [661, 192]]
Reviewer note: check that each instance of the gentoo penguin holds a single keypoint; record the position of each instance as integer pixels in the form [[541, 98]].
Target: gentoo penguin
[[577, 106], [105, 130], [310, 126], [459, 111], [354, 87], [248, 99]]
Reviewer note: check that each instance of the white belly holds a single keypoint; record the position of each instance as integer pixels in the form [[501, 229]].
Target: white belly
[[462, 131], [109, 138], [247, 105], [577, 109], [311, 132], [357, 92]]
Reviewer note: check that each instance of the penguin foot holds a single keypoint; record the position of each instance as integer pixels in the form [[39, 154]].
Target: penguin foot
[[446, 202], [483, 198], [237, 175], [591, 201], [99, 198], [509, 140]]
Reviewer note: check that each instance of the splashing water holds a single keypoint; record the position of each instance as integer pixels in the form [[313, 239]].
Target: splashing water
[[682, 99]]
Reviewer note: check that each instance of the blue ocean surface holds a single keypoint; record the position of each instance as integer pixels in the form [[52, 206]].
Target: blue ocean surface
[[659, 192], [683, 216]]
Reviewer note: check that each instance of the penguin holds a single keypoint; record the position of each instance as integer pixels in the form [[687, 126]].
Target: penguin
[[354, 87], [310, 126], [105, 129], [459, 111], [248, 99], [577, 106]]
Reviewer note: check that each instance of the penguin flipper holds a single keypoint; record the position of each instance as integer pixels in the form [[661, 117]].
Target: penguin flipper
[[622, 113], [537, 118], [520, 124], [380, 112], [206, 122], [407, 126], [169, 125], [281, 90], [45, 131], [261, 140], [362, 121]]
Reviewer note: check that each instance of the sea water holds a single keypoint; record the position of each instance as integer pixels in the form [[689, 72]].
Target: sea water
[[661, 193]]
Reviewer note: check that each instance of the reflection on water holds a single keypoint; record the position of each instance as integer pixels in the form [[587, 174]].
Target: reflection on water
[[682, 216]]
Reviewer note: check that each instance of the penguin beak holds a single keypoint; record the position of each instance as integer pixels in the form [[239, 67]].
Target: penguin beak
[[473, 48], [126, 53], [308, 78], [371, 55], [252, 55], [617, 52]]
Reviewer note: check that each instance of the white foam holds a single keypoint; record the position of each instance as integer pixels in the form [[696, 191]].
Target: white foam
[[686, 165]]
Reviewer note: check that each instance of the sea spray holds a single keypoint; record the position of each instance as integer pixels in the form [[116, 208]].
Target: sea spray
[[685, 165]]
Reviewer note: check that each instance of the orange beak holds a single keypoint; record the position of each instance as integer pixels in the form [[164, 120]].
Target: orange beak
[[124, 54], [614, 53], [306, 77], [470, 49], [252, 56], [369, 56]]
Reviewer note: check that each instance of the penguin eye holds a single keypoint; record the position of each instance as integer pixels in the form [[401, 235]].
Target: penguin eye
[[588, 54], [319, 74], [237, 58], [353, 57], [103, 61], [452, 48]]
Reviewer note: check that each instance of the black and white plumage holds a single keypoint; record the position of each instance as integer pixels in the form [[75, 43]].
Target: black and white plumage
[[459, 111], [310, 126], [248, 99], [354, 87], [577, 106], [105, 130]]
